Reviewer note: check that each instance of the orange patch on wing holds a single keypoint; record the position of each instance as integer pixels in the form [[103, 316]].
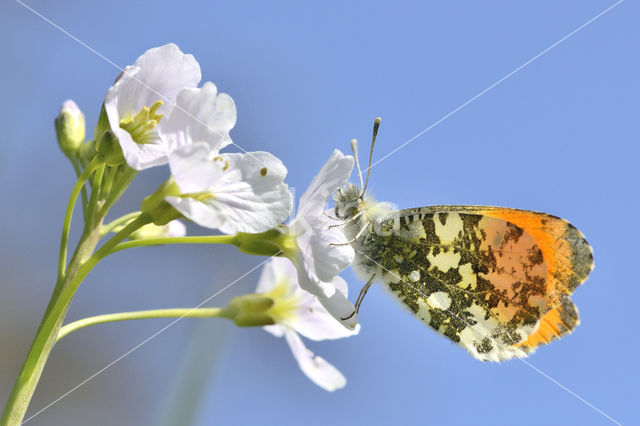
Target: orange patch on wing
[[547, 231], [511, 252], [556, 323]]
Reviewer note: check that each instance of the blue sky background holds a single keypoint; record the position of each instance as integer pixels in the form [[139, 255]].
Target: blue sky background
[[560, 136]]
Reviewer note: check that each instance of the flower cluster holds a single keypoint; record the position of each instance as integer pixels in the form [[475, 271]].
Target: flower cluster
[[159, 115]]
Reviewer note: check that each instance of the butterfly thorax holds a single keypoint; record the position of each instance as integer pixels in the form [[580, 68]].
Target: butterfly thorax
[[362, 216]]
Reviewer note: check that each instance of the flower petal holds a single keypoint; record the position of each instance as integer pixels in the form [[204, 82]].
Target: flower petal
[[158, 74], [200, 115], [275, 330], [231, 192], [314, 322], [193, 168], [252, 194], [175, 228], [314, 367], [334, 301], [317, 243], [340, 284], [203, 214], [277, 270], [335, 173]]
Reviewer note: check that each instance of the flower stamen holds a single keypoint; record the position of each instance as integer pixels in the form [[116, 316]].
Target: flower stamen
[[141, 126], [224, 161]]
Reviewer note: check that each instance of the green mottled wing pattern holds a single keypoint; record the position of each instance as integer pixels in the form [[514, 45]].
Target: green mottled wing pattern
[[482, 276]]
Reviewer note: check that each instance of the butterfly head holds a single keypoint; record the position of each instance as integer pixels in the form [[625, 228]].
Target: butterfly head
[[348, 201]]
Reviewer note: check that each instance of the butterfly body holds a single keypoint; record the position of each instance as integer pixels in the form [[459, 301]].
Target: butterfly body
[[494, 280]]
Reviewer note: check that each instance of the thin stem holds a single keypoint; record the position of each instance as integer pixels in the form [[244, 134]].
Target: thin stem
[[96, 187], [208, 239], [117, 222], [155, 313], [85, 199], [64, 240]]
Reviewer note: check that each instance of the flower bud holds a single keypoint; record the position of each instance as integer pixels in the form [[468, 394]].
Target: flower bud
[[250, 310], [175, 228], [70, 128], [109, 150], [267, 243]]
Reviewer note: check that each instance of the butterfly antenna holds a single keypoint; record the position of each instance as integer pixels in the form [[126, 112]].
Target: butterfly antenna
[[376, 125], [354, 148]]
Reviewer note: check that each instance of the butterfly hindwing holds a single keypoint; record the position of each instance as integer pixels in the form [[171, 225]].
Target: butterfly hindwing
[[494, 280], [556, 323]]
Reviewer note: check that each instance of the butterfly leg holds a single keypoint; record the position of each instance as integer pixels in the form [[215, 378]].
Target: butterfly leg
[[363, 293], [358, 235], [329, 216], [344, 222]]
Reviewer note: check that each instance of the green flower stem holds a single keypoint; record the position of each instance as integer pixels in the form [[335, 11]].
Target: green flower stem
[[119, 186], [156, 313], [274, 242], [64, 240], [75, 161], [109, 176], [117, 222], [102, 252], [208, 239], [44, 341], [95, 196], [248, 310]]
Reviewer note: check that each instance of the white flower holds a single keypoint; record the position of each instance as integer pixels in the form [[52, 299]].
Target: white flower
[[154, 103], [316, 260], [296, 311], [229, 192]]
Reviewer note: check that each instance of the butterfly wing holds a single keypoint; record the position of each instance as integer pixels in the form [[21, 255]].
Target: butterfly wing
[[494, 280], [556, 323]]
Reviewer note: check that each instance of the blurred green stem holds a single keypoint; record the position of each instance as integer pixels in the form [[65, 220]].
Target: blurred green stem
[[155, 313], [96, 184], [81, 264], [109, 227], [66, 226], [85, 200], [206, 239]]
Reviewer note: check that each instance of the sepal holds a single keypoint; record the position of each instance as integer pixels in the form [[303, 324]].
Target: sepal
[[155, 205]]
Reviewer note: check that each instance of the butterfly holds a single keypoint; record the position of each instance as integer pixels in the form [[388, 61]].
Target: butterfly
[[494, 280]]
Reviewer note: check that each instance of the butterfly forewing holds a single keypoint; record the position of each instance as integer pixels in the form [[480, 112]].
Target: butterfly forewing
[[485, 277]]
